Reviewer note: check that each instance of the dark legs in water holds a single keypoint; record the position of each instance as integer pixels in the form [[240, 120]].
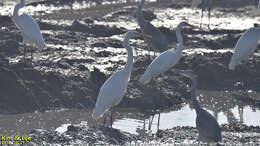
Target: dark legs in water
[[25, 52], [150, 122], [158, 123], [105, 120], [31, 56], [111, 118], [149, 51]]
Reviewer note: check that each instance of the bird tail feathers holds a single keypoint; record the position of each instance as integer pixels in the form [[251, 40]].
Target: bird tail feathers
[[145, 78], [97, 113], [232, 64]]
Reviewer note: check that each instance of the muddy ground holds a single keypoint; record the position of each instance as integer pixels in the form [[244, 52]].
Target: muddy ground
[[83, 53]]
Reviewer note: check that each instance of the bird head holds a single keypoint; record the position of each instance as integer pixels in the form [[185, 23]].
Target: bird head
[[184, 23], [133, 33]]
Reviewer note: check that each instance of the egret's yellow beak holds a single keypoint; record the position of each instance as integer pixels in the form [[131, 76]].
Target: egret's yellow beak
[[193, 26], [144, 35]]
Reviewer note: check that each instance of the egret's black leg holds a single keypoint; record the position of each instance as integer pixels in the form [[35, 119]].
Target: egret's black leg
[[149, 53], [111, 118], [105, 120], [158, 123], [144, 124], [201, 17], [31, 57], [24, 54], [150, 122], [160, 88], [154, 54]]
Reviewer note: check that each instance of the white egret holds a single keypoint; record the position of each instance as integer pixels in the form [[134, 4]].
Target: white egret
[[114, 88], [245, 46], [29, 28], [207, 125], [166, 60]]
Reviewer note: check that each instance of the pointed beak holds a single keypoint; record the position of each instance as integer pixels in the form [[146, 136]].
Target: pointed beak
[[144, 35], [193, 26]]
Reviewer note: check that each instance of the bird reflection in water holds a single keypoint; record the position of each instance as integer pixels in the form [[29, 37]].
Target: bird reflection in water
[[147, 127]]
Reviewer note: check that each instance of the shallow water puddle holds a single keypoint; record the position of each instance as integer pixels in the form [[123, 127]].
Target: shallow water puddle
[[186, 117], [225, 108]]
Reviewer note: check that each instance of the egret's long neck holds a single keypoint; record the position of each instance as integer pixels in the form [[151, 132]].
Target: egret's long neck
[[193, 95], [130, 58], [140, 16], [180, 40], [17, 7]]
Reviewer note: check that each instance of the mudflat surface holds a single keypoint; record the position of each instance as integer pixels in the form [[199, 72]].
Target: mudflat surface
[[84, 47]]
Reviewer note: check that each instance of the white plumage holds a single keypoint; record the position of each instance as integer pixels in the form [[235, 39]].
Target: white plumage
[[111, 93], [29, 28], [245, 46], [166, 60], [113, 90], [160, 65]]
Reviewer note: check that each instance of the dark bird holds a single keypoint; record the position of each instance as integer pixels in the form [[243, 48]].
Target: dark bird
[[158, 40], [207, 126]]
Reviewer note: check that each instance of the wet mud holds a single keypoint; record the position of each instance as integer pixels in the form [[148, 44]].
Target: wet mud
[[235, 134], [83, 53]]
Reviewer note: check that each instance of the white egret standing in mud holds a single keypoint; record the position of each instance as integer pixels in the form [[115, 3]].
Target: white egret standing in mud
[[166, 60], [158, 40], [203, 5], [114, 88], [245, 46], [207, 125], [29, 28]]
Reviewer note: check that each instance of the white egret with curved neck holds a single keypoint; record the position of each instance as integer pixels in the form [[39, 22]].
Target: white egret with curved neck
[[246, 45], [158, 40], [208, 127], [29, 28], [166, 60], [114, 88]]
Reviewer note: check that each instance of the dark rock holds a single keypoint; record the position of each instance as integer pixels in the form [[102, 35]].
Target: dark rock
[[99, 44], [10, 47], [97, 77], [88, 20], [96, 30], [82, 67], [6, 21], [78, 61], [72, 128], [47, 26], [103, 53]]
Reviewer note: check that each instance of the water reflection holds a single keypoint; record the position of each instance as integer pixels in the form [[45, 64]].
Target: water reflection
[[226, 108]]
